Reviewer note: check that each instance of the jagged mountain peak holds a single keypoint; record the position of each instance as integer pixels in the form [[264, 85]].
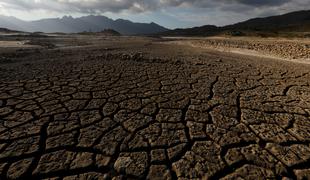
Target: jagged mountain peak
[[69, 24]]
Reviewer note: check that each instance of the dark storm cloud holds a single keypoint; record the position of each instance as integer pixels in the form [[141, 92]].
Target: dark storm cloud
[[262, 2], [133, 5]]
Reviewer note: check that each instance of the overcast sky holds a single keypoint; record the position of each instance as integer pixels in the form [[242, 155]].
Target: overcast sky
[[169, 13]]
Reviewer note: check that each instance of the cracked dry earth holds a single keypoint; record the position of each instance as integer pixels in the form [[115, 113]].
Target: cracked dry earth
[[80, 115]]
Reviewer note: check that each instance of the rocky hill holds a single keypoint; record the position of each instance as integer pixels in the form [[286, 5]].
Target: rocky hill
[[270, 26], [5, 30]]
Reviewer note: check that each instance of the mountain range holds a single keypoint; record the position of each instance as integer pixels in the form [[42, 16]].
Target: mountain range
[[298, 21], [68, 24]]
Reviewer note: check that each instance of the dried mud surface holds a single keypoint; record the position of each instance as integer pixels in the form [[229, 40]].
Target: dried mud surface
[[135, 109]]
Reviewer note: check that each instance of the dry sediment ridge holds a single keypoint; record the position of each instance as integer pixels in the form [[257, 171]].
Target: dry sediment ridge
[[288, 49]]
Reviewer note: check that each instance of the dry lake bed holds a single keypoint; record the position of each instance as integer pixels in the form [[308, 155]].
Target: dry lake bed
[[97, 107]]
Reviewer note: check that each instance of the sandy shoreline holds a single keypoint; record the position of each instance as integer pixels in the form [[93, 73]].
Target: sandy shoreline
[[15, 44]]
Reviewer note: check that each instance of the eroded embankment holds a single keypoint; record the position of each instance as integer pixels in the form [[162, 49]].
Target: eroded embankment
[[277, 48]]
